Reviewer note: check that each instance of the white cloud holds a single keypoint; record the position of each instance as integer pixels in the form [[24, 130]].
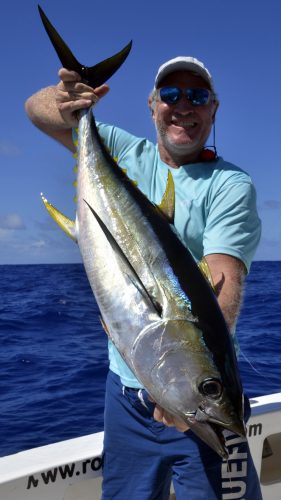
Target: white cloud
[[38, 244], [11, 221], [4, 235], [271, 204], [9, 149]]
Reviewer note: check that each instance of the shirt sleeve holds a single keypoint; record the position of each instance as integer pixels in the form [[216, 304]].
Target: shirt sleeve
[[232, 224], [134, 155], [118, 141]]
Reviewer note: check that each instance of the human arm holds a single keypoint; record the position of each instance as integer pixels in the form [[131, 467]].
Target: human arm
[[54, 109], [228, 274]]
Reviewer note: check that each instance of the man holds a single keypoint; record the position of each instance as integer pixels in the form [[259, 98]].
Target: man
[[216, 217]]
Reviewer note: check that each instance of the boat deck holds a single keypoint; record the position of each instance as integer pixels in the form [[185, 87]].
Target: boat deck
[[71, 470]]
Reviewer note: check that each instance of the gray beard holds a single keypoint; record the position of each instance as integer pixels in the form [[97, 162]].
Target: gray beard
[[176, 150]]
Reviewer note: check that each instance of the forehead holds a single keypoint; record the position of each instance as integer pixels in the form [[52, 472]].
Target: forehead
[[184, 79]]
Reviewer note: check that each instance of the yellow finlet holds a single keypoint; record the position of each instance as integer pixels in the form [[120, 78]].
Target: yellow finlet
[[205, 270], [67, 225], [103, 324], [167, 205]]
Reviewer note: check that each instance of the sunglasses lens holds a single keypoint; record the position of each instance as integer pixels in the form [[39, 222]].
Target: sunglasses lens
[[170, 95], [198, 97]]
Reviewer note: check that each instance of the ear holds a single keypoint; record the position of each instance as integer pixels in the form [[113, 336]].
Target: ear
[[151, 105]]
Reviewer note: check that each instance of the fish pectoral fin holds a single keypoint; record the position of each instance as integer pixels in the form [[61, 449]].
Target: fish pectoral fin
[[167, 204], [126, 265], [94, 75], [67, 225]]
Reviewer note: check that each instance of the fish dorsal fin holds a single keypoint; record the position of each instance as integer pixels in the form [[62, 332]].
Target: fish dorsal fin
[[167, 205], [205, 270], [126, 265], [67, 225]]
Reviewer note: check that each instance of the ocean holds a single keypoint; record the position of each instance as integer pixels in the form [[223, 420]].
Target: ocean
[[53, 358]]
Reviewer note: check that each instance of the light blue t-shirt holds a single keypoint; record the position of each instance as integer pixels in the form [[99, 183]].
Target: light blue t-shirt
[[215, 206]]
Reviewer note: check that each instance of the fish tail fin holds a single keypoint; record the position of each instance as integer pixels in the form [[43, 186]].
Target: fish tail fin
[[67, 225], [93, 75]]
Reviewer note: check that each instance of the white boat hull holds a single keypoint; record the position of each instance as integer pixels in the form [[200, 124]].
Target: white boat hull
[[71, 470]]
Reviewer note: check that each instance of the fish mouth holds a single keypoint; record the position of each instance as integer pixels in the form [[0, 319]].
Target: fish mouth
[[234, 425], [211, 430], [211, 434], [221, 449]]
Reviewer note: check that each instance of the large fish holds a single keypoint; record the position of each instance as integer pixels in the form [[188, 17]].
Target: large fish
[[159, 310]]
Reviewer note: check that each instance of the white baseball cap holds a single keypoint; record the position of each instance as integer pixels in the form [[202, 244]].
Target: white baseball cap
[[186, 63]]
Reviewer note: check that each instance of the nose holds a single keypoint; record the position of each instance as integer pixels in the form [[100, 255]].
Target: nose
[[184, 107]]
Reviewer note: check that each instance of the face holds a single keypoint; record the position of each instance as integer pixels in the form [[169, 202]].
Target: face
[[182, 129]]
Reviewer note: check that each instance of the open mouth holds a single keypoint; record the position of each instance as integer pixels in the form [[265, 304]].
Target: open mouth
[[211, 434], [218, 430], [209, 431], [184, 124]]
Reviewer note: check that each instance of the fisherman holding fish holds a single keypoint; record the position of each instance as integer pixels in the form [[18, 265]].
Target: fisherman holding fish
[[215, 217]]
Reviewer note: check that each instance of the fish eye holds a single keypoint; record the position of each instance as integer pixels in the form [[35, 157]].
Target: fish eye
[[211, 387]]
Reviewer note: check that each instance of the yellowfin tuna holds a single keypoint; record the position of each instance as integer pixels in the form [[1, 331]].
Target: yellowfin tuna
[[159, 310]]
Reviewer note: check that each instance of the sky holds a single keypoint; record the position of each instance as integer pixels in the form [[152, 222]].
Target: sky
[[239, 41]]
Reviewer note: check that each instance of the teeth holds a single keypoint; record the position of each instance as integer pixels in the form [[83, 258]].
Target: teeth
[[184, 124]]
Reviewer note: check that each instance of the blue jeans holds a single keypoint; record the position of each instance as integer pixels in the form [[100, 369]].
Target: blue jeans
[[142, 456]]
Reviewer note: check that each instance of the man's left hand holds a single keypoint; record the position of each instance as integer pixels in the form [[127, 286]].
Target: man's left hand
[[166, 418]]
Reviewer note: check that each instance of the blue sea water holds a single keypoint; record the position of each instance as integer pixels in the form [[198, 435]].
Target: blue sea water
[[53, 357]]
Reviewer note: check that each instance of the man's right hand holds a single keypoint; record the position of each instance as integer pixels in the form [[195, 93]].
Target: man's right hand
[[54, 109], [72, 95]]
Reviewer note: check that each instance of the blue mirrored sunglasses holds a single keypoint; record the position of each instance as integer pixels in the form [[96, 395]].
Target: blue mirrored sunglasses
[[196, 97]]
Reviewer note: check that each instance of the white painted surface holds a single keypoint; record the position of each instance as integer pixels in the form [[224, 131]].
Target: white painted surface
[[70, 470]]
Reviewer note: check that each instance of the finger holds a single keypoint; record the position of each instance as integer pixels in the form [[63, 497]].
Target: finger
[[75, 87], [66, 96], [171, 421], [181, 426], [67, 75], [163, 416], [82, 87], [102, 90], [72, 86], [72, 106], [158, 413], [168, 420]]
